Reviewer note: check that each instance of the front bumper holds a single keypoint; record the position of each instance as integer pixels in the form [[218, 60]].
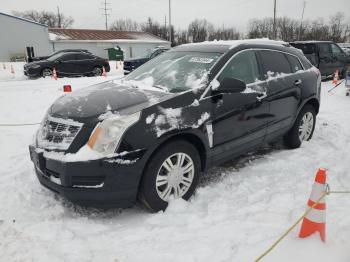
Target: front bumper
[[31, 72], [103, 183]]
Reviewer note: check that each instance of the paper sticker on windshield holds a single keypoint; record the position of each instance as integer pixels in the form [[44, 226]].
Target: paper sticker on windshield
[[202, 60]]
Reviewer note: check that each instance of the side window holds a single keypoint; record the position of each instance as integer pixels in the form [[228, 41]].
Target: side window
[[243, 66], [336, 50], [68, 57], [83, 56], [324, 49], [275, 63], [295, 64]]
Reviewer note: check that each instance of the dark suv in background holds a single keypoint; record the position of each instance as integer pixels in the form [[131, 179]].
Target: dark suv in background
[[327, 56], [150, 135], [131, 64]]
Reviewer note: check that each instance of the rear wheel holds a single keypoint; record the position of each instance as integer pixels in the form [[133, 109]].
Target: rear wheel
[[46, 72], [97, 71], [171, 173], [303, 127]]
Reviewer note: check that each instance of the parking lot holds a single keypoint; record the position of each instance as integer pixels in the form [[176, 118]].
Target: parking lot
[[239, 209]]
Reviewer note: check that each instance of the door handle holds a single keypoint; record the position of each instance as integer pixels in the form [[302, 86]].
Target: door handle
[[261, 97], [297, 82]]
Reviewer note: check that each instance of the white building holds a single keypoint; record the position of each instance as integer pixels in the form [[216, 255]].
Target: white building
[[18, 33], [134, 44]]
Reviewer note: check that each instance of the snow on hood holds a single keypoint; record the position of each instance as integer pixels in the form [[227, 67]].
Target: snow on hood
[[100, 99]]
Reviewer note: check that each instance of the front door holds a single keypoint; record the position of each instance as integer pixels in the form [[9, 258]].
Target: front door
[[66, 65], [240, 119]]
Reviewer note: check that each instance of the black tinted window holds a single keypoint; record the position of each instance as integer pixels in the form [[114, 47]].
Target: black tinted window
[[83, 56], [275, 63], [68, 57], [324, 49], [243, 67], [294, 62], [336, 50], [306, 48]]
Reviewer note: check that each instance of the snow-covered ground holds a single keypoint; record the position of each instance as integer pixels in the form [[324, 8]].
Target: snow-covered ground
[[239, 210]]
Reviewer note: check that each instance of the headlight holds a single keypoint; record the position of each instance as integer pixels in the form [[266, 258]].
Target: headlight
[[106, 136], [34, 66]]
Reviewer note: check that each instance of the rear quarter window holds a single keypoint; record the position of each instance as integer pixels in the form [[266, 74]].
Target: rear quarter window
[[294, 63], [274, 63]]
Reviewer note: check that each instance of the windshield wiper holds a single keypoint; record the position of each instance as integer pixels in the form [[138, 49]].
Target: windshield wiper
[[162, 87]]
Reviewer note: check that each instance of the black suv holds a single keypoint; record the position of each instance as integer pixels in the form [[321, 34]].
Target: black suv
[[151, 134], [68, 64], [131, 64], [327, 56]]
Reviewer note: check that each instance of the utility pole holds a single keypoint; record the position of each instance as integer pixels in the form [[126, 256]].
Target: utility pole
[[170, 40], [59, 25], [165, 27], [301, 20], [274, 20], [106, 11]]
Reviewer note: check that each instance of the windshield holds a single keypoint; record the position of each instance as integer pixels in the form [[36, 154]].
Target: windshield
[[175, 71]]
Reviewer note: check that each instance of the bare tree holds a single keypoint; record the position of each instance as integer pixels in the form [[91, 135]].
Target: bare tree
[[199, 30], [125, 25], [50, 19]]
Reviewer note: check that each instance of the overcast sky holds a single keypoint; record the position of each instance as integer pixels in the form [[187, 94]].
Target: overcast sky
[[87, 13]]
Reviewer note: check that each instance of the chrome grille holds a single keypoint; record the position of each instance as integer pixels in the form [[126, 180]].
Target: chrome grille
[[56, 133]]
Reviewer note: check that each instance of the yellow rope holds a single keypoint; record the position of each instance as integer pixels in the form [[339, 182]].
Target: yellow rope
[[298, 221]]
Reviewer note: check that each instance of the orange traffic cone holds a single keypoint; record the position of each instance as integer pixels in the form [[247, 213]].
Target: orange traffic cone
[[336, 77], [104, 71], [12, 70], [54, 74], [315, 220]]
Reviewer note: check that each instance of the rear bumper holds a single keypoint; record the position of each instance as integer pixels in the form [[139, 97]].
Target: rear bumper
[[103, 183]]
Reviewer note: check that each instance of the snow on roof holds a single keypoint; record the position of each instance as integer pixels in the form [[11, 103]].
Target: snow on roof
[[89, 35], [234, 43], [23, 19]]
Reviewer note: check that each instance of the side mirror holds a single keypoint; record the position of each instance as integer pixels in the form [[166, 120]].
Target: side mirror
[[230, 85]]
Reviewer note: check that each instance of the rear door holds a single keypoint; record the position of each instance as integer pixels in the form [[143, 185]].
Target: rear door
[[85, 63], [284, 85], [339, 57], [66, 64], [327, 66], [240, 119]]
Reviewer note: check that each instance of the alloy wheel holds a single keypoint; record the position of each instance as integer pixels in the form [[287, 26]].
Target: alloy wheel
[[306, 126], [175, 176], [47, 72]]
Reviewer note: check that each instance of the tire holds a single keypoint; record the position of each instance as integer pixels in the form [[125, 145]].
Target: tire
[[295, 136], [46, 72], [97, 71], [150, 195]]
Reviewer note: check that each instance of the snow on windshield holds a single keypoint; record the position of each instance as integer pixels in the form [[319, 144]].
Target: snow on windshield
[[175, 71]]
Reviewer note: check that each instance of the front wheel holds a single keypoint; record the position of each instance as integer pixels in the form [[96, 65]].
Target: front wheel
[[303, 127], [171, 173], [46, 72], [97, 71]]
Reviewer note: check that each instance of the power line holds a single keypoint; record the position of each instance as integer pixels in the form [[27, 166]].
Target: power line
[[106, 11]]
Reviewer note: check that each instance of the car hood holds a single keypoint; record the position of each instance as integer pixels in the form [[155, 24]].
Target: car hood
[[89, 105], [40, 62]]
